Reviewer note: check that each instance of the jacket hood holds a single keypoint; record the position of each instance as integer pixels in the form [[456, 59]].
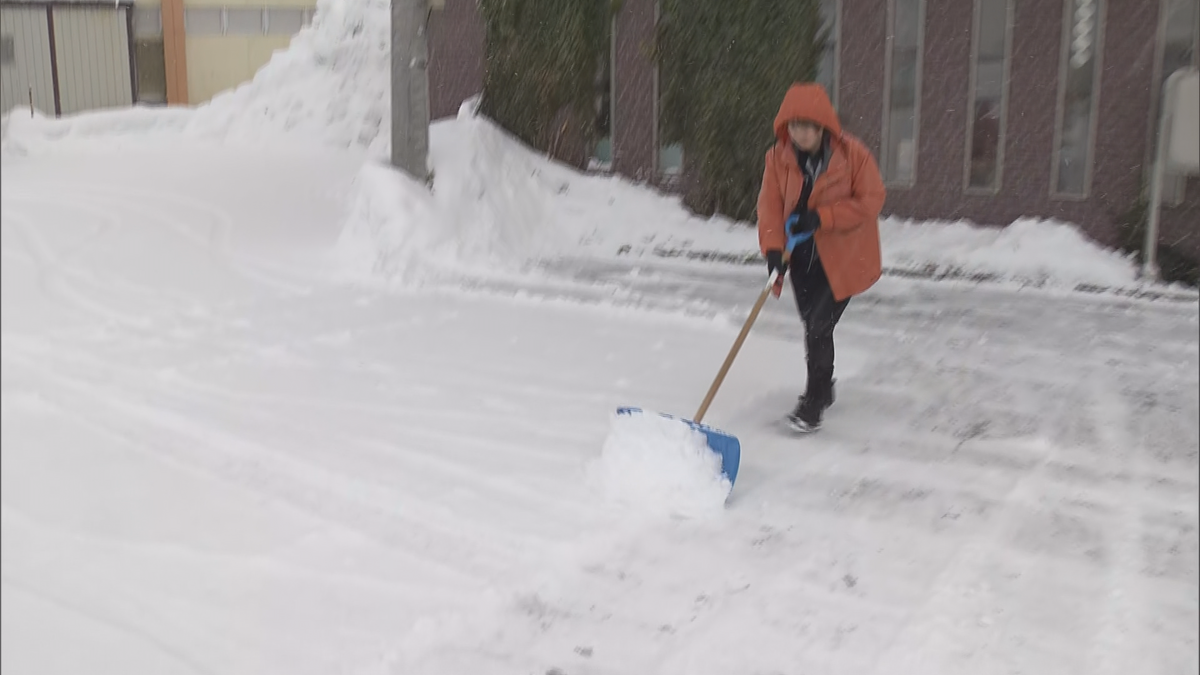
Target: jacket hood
[[806, 100]]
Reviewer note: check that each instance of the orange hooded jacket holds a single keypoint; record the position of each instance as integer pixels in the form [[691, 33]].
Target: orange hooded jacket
[[848, 195]]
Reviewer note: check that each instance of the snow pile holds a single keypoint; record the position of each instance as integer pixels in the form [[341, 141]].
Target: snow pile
[[8, 147], [329, 87], [497, 205], [136, 124], [658, 466], [488, 211], [1029, 251], [490, 193], [390, 228]]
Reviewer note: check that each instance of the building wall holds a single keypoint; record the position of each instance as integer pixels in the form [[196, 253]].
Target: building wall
[[91, 46], [228, 41], [1127, 64], [75, 56], [217, 64], [456, 41], [861, 75], [1128, 48], [29, 65], [635, 90], [225, 42]]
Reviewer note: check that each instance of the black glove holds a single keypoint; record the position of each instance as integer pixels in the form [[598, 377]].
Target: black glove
[[775, 262], [804, 223]]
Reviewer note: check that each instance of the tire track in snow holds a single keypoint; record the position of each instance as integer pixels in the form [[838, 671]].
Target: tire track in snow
[[1121, 645], [349, 505], [76, 608], [946, 633], [124, 200], [530, 498], [54, 277]]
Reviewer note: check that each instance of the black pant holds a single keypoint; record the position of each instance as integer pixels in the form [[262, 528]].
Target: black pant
[[820, 314]]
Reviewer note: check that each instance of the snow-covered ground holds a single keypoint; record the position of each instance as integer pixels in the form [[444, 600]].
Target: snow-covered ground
[[217, 457], [268, 407]]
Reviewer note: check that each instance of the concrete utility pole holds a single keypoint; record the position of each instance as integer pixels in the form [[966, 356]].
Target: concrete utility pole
[[410, 87]]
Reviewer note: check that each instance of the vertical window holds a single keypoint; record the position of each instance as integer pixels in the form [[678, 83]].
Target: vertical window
[[1078, 93], [827, 70], [902, 93], [245, 21], [149, 57], [283, 20], [1179, 33], [203, 21], [989, 92]]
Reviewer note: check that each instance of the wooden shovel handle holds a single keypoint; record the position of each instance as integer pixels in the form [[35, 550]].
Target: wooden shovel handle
[[737, 345]]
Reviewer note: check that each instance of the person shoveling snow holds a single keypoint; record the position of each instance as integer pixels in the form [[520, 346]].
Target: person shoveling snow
[[828, 185], [818, 219]]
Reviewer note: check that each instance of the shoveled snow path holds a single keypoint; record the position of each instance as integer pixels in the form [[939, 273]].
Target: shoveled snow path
[[216, 461]]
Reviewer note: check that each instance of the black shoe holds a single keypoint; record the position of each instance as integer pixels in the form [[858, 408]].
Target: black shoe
[[806, 417]]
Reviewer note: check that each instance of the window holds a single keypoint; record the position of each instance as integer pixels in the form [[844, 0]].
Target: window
[[8, 50], [1179, 38], [1078, 94], [203, 21], [827, 71], [902, 92], [245, 21], [148, 56], [284, 20], [989, 93], [248, 21]]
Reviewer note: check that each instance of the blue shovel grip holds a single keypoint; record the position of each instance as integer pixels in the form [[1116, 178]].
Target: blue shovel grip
[[795, 239]]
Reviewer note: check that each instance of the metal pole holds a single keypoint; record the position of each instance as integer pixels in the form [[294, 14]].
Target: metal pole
[[1150, 270], [410, 87]]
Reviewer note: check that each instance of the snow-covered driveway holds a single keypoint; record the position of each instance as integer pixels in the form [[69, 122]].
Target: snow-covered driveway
[[217, 460]]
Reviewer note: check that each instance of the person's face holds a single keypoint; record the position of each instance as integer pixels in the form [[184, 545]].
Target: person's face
[[805, 134]]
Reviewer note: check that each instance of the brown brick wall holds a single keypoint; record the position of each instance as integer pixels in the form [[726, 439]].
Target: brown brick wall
[[456, 40], [1127, 69], [1127, 64], [634, 120], [860, 77]]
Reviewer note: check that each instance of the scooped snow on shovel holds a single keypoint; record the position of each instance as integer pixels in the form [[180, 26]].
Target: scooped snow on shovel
[[724, 444]]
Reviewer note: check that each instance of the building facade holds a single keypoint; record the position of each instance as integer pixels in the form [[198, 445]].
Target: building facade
[[985, 110], [67, 56]]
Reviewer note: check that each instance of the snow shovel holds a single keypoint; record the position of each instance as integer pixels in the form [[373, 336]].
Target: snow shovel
[[726, 445]]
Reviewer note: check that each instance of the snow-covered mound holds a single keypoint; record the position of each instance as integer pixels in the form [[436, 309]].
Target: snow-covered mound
[[1030, 251], [496, 205], [488, 212], [330, 87]]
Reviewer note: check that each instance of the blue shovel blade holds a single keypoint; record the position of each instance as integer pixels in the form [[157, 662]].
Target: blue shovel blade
[[727, 446]]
